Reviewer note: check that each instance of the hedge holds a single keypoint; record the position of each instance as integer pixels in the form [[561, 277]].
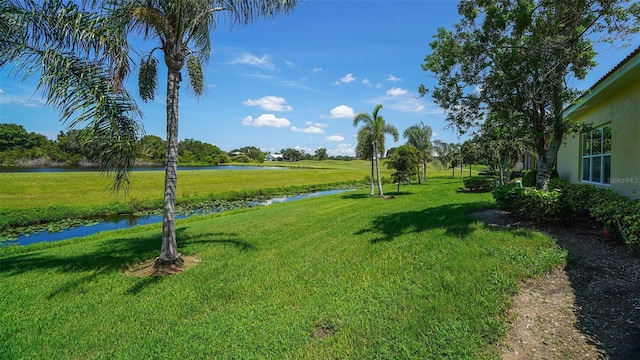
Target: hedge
[[479, 184], [617, 214]]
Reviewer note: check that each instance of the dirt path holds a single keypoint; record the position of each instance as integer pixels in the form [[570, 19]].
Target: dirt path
[[588, 310]]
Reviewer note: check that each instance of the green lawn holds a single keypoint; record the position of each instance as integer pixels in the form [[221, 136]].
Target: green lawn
[[27, 190], [341, 276]]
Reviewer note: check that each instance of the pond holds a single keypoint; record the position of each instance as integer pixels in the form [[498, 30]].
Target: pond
[[123, 222]]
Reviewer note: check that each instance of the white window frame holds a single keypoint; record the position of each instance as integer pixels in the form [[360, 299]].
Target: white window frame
[[596, 151]]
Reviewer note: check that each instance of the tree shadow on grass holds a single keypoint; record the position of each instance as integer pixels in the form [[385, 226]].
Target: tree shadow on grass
[[105, 257], [356, 196], [453, 218]]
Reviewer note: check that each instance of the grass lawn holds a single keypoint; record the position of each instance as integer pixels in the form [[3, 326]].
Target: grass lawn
[[28, 190], [341, 276]]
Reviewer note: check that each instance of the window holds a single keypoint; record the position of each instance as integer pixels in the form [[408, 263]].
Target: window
[[596, 156]]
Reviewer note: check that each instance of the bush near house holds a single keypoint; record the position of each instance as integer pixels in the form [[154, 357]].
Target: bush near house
[[617, 214], [480, 184]]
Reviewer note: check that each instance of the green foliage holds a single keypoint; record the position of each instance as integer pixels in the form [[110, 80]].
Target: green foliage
[[15, 137], [321, 154], [618, 214], [529, 178], [488, 67], [148, 78], [531, 203], [480, 184], [405, 160], [196, 77]]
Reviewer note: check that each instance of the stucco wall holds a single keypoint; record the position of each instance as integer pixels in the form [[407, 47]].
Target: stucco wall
[[622, 111]]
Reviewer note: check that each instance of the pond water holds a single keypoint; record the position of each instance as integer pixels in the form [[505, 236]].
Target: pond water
[[142, 168], [124, 222]]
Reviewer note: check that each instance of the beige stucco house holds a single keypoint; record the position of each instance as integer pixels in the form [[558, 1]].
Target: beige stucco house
[[607, 156]]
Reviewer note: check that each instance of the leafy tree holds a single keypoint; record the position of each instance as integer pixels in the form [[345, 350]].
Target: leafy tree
[[252, 153], [321, 154], [16, 137], [419, 136], [152, 148], [196, 151], [291, 154], [406, 162], [516, 59], [76, 53], [181, 28], [471, 154], [501, 145], [377, 129]]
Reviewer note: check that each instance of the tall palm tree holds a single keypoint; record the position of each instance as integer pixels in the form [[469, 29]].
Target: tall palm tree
[[182, 30], [364, 150], [419, 136], [378, 128], [75, 52]]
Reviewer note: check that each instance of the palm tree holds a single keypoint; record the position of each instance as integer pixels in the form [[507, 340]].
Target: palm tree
[[182, 30], [378, 128], [419, 136], [446, 154], [364, 150], [75, 53]]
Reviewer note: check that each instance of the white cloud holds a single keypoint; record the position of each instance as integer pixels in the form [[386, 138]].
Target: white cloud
[[1, 91], [316, 124], [393, 78], [263, 62], [394, 91], [270, 103], [334, 137], [316, 70], [346, 79], [342, 111], [366, 82], [343, 149], [266, 120], [309, 130]]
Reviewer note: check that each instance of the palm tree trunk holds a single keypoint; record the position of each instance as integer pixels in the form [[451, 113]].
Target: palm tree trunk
[[424, 165], [169, 251], [371, 193], [375, 152]]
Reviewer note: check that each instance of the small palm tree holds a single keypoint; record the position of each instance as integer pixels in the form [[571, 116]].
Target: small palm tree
[[182, 30], [377, 128], [419, 136]]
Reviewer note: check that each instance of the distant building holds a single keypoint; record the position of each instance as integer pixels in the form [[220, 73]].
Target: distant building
[[608, 155], [273, 157]]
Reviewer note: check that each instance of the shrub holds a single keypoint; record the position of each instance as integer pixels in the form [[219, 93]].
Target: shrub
[[480, 184], [616, 213], [531, 203]]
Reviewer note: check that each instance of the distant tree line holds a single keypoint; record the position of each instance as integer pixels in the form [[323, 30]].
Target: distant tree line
[[18, 147]]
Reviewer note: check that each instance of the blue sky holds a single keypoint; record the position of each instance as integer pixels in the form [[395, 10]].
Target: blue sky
[[298, 80]]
